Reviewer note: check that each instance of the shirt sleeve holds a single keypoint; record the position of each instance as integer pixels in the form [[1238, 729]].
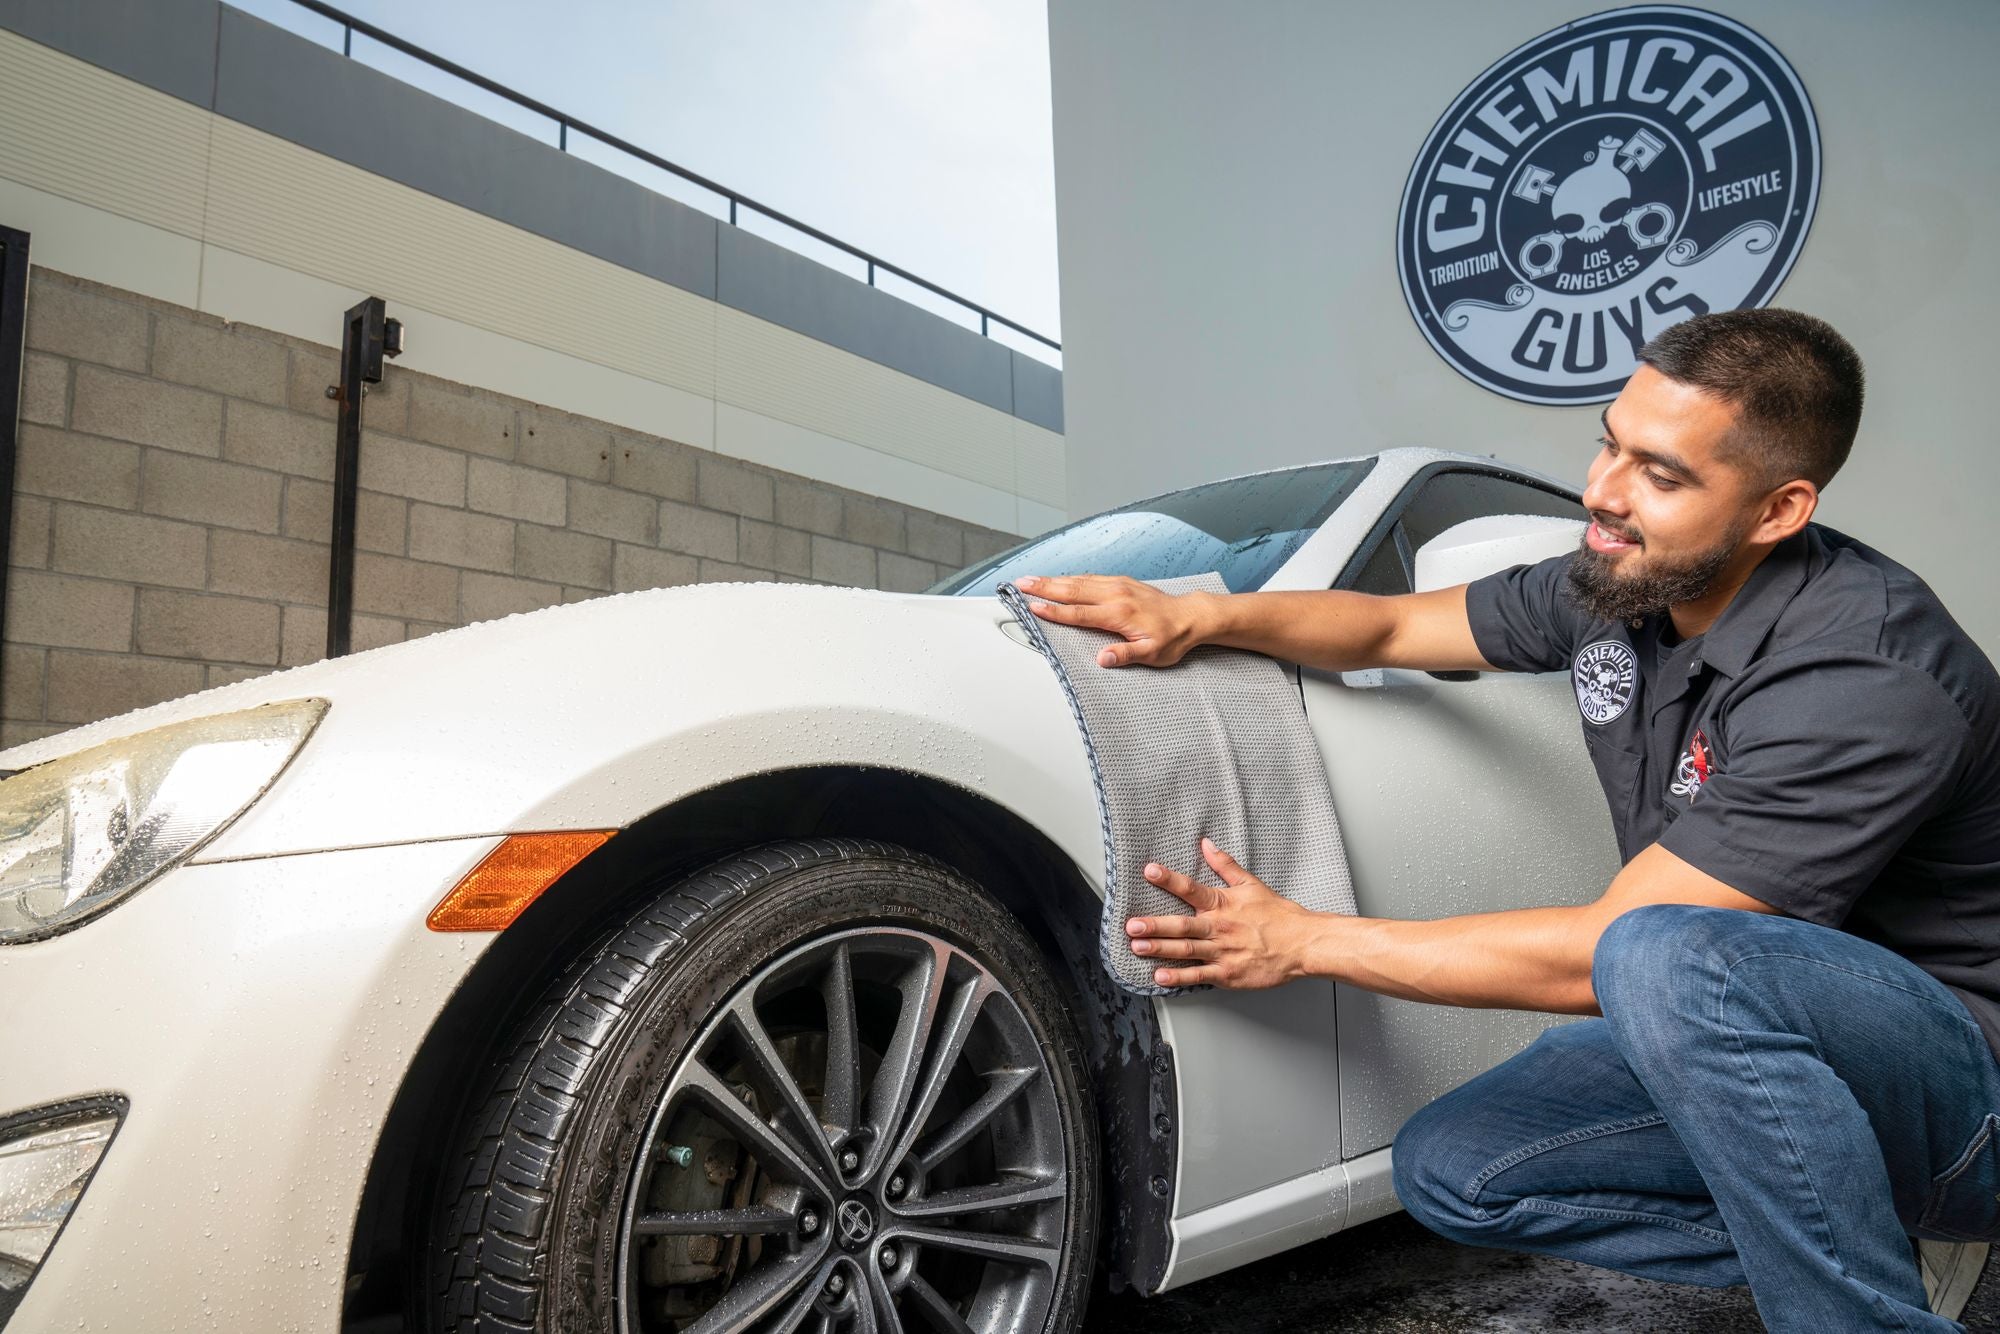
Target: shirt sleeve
[[1821, 772], [1521, 619]]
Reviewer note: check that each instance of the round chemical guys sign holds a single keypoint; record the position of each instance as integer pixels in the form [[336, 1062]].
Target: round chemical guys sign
[[1603, 182]]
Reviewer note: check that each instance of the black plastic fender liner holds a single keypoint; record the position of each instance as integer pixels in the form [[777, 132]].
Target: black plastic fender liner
[[1133, 1073]]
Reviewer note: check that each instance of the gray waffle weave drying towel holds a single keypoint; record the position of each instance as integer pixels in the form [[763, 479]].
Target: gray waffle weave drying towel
[[1216, 745]]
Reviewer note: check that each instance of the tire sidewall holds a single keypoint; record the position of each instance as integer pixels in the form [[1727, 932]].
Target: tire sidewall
[[690, 982]]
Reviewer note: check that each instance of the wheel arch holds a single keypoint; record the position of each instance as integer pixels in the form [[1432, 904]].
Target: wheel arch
[[1132, 1068]]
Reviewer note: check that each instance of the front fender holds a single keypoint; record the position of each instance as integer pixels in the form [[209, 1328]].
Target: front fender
[[596, 714]]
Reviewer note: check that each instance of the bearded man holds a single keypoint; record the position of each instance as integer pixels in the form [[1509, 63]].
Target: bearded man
[[1792, 1063]]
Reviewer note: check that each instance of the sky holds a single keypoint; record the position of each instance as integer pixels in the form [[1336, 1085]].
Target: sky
[[917, 130]]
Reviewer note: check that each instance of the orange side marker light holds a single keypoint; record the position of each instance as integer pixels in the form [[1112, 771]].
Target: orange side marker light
[[511, 877]]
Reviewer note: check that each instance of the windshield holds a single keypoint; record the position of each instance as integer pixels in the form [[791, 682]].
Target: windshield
[[1243, 528]]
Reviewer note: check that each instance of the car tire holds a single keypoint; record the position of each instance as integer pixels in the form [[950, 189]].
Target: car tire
[[638, 1162]]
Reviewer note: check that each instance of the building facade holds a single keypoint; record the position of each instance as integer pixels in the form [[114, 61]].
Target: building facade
[[604, 389]]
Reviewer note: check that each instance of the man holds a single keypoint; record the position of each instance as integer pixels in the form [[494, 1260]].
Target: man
[[1797, 970]]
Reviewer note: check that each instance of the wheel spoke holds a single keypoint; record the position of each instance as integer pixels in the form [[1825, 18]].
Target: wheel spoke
[[959, 1019], [896, 1078], [986, 1245], [782, 1081], [755, 1295], [843, 1047], [757, 1221], [890, 1090], [1009, 1193], [942, 1315], [800, 1307], [1000, 1089], [877, 1305], [775, 1154]]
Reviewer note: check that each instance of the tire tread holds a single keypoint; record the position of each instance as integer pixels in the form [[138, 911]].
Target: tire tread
[[498, 1189]]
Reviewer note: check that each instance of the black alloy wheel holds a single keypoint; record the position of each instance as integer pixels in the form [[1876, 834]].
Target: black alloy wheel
[[823, 1086]]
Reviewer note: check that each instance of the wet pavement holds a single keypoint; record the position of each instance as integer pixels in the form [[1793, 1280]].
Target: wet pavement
[[1393, 1277]]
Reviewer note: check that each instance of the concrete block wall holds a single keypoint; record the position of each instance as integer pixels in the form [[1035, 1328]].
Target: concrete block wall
[[173, 500]]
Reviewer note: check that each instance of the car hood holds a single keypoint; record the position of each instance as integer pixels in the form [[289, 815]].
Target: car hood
[[593, 714]]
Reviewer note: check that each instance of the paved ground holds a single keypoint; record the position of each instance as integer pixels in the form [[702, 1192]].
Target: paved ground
[[1393, 1277]]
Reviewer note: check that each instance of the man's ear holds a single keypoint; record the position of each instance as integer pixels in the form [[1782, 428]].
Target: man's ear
[[1786, 510]]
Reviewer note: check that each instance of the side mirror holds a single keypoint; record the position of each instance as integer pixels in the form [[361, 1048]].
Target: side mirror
[[1489, 544]]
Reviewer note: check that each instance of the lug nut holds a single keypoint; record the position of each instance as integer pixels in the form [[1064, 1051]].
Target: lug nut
[[889, 1257], [808, 1222], [896, 1187], [836, 1284], [849, 1160]]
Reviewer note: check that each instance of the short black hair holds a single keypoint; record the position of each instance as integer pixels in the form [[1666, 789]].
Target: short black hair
[[1796, 385]]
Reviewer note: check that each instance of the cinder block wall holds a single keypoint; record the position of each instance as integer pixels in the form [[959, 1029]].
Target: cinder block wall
[[173, 493]]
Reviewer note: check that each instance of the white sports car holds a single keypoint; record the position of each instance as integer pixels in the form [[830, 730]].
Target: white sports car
[[724, 958]]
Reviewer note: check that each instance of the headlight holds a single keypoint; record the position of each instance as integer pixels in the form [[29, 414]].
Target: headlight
[[81, 833], [46, 1161]]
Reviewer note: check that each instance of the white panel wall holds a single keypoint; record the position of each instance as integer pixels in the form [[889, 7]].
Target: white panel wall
[[131, 187], [1227, 181]]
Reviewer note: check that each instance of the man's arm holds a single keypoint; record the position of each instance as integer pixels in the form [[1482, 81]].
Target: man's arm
[[1332, 630], [1245, 935]]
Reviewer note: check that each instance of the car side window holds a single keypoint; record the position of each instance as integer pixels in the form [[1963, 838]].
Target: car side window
[[1443, 501], [1385, 573]]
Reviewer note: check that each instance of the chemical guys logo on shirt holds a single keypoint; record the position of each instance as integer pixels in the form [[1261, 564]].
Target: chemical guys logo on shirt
[[1607, 180], [1606, 674]]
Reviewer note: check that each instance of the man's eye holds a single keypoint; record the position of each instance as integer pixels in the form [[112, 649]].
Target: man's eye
[[1663, 482], [1607, 444]]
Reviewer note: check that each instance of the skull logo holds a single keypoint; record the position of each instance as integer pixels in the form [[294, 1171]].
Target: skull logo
[[1587, 203], [1593, 199]]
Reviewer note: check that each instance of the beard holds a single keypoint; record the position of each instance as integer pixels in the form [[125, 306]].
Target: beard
[[1598, 587]]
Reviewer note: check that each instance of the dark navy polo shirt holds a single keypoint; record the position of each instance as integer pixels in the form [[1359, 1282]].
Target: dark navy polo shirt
[[1831, 745]]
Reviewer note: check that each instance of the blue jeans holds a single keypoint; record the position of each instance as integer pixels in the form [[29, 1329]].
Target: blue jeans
[[1765, 1101]]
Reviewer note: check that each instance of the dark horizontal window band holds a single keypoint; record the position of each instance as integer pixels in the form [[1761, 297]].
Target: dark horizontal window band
[[259, 75]]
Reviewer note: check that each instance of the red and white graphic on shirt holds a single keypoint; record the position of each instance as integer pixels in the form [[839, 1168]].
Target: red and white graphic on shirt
[[1697, 763]]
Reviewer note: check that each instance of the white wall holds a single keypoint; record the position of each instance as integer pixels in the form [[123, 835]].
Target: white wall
[[1228, 179]]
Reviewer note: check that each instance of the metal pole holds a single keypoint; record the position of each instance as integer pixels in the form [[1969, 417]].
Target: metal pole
[[13, 337], [361, 348]]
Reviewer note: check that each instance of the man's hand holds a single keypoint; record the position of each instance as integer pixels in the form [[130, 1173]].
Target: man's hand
[[1329, 628], [1158, 628], [1242, 935]]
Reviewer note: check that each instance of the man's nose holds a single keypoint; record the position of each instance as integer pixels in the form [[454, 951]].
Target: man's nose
[[1603, 492]]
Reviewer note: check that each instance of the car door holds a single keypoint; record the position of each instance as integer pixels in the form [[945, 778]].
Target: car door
[[1462, 794]]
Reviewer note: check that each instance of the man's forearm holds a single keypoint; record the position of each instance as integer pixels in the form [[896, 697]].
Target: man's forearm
[[1338, 631], [1524, 959], [1330, 629]]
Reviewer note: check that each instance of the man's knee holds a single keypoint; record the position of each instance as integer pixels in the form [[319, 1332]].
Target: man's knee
[[1644, 952], [1427, 1168], [1657, 969], [1444, 1150]]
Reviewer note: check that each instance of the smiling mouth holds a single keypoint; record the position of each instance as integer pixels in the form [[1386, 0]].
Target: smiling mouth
[[1603, 538]]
